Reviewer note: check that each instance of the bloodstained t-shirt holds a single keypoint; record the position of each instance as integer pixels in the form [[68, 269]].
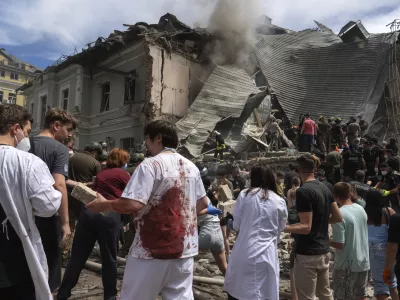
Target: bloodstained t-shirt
[[166, 228]]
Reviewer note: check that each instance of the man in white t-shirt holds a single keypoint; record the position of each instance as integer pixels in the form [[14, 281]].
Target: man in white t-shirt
[[165, 193]]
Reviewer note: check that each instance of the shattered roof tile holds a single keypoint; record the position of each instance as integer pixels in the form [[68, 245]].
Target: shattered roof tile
[[224, 95], [315, 72]]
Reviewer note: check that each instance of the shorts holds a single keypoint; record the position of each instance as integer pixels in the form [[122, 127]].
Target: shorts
[[377, 256], [348, 285], [211, 238], [50, 232], [292, 254]]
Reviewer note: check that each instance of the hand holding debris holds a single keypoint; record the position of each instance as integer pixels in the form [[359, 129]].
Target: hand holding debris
[[100, 204]]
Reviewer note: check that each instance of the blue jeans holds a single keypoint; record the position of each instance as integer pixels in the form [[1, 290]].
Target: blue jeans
[[306, 141], [377, 255]]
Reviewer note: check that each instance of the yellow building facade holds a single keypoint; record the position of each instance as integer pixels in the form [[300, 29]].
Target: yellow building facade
[[13, 74]]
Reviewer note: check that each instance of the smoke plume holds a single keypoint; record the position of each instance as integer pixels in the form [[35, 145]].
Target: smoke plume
[[233, 22]]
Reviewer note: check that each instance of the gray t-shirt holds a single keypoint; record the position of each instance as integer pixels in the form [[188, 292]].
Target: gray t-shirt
[[52, 152]]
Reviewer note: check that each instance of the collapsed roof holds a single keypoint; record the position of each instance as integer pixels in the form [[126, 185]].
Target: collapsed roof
[[316, 72], [229, 92]]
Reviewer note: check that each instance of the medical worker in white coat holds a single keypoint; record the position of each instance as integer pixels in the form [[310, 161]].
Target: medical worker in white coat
[[259, 216], [26, 190]]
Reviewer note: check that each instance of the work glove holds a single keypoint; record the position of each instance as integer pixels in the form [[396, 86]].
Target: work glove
[[211, 210], [385, 193], [386, 277]]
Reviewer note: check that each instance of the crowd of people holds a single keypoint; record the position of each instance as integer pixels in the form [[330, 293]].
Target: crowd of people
[[160, 211]]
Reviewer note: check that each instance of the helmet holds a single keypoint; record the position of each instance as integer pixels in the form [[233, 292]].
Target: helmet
[[94, 146], [102, 156], [137, 157]]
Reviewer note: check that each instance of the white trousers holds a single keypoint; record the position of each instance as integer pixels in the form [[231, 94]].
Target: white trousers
[[145, 279]]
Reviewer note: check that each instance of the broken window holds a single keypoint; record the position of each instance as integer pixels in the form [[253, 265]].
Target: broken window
[[130, 89], [127, 144], [3, 73], [43, 101], [12, 98], [65, 95], [105, 97], [14, 76], [1, 96]]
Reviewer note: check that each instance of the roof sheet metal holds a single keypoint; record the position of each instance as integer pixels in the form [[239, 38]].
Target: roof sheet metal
[[224, 95], [315, 72]]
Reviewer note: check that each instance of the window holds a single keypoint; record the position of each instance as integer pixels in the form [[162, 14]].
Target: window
[[1, 96], [105, 97], [12, 98], [14, 76], [65, 95], [3, 73], [43, 101], [127, 144], [130, 88]]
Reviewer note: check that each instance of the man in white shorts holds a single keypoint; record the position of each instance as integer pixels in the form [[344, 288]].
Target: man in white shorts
[[165, 193]]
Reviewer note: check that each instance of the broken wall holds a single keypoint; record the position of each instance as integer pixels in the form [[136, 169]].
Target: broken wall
[[174, 80]]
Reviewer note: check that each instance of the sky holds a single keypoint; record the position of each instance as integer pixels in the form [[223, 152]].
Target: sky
[[40, 31]]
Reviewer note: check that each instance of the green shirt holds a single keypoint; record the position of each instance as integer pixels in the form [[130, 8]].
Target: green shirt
[[353, 233]]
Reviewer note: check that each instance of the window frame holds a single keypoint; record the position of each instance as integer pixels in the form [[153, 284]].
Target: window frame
[[14, 76], [105, 97], [65, 99], [3, 74], [129, 88], [131, 143], [13, 97]]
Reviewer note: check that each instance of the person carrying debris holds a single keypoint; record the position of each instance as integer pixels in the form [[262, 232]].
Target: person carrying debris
[[165, 194], [324, 130], [220, 146], [274, 134]]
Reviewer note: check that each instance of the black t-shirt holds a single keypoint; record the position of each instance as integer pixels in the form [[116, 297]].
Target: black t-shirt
[[52, 152], [327, 184], [238, 183], [394, 163], [352, 162], [394, 229], [314, 197]]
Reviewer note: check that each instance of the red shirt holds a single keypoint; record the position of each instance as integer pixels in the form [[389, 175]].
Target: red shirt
[[110, 183], [309, 127]]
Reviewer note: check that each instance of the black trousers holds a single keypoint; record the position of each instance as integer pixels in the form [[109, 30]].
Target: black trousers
[[231, 298], [23, 291], [91, 228], [50, 232]]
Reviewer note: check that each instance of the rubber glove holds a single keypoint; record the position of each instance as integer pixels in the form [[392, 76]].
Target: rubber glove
[[386, 277], [385, 193], [211, 210]]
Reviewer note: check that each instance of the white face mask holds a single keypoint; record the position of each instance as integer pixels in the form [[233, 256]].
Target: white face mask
[[384, 173], [24, 145]]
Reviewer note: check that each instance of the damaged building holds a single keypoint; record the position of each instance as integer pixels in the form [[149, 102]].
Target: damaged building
[[118, 84], [167, 71], [313, 71]]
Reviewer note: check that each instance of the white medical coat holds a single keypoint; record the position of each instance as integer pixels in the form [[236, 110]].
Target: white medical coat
[[26, 189], [253, 269]]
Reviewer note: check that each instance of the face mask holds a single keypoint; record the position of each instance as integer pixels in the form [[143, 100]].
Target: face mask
[[24, 145], [384, 173], [281, 181]]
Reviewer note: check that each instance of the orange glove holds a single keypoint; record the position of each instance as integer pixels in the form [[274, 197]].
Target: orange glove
[[386, 276]]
